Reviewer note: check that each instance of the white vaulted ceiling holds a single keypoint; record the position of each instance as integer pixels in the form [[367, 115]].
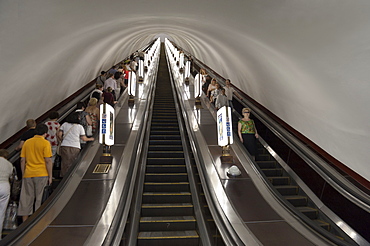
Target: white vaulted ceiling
[[306, 61]]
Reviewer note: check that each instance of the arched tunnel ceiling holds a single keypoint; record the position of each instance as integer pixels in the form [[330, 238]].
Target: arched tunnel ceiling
[[306, 61]]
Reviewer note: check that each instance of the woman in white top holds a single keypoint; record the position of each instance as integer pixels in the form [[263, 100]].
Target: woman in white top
[[6, 170], [211, 87], [70, 134], [215, 93]]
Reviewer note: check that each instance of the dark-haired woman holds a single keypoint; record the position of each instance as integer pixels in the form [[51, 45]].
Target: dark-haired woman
[[70, 134]]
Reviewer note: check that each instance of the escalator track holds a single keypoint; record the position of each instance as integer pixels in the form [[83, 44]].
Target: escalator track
[[169, 210]]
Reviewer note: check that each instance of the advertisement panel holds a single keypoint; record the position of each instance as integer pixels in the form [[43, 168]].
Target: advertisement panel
[[106, 130], [224, 126]]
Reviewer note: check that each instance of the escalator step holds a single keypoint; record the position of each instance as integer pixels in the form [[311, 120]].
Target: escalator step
[[272, 171], [323, 224], [164, 132], [279, 180], [166, 147], [287, 190], [167, 121], [164, 137], [166, 177], [175, 209], [165, 124], [297, 201], [167, 197], [166, 168], [168, 223], [166, 187], [167, 154], [263, 157], [159, 115], [261, 151], [166, 142], [311, 213], [266, 164], [163, 161], [168, 238]]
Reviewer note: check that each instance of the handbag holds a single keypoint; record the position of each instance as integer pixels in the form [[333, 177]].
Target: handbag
[[89, 131], [46, 193], [16, 184], [10, 220]]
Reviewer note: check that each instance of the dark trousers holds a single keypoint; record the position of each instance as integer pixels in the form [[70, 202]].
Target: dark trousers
[[249, 142]]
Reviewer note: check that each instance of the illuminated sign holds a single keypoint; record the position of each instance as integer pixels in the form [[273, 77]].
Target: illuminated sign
[[181, 60], [106, 132], [197, 86], [132, 83], [187, 69], [141, 70], [224, 126]]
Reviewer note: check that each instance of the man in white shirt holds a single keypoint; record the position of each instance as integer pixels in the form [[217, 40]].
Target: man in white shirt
[[111, 82], [133, 65], [221, 100], [229, 91]]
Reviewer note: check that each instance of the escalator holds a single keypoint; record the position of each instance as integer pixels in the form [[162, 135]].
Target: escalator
[[286, 186], [169, 210]]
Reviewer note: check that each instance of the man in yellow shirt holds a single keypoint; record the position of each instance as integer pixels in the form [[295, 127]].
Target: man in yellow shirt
[[36, 169]]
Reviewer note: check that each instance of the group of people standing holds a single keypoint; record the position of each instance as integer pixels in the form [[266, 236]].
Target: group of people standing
[[219, 96], [38, 146], [222, 96], [110, 85], [42, 143]]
